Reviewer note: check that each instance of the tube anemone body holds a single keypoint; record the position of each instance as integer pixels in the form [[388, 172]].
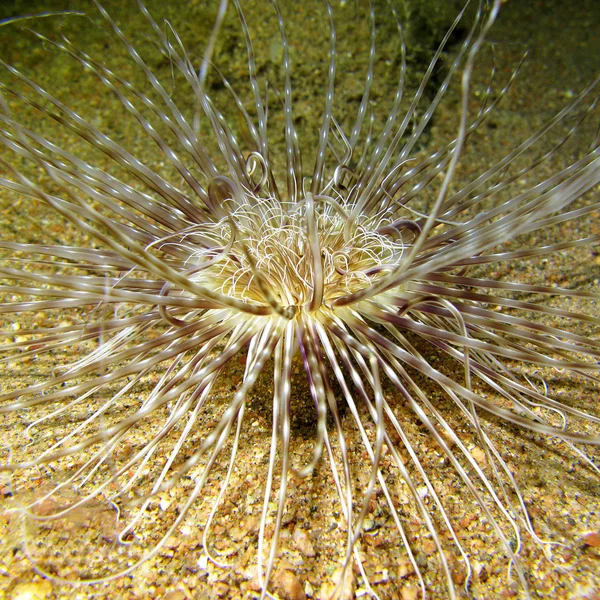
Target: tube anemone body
[[281, 345]]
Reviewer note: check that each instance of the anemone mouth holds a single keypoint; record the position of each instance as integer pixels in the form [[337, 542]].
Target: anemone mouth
[[260, 239], [216, 286]]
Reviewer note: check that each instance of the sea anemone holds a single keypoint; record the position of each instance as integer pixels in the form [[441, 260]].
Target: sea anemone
[[216, 338]]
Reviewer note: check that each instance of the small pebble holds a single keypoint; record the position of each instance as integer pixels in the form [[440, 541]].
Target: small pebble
[[408, 593], [33, 590], [303, 542], [290, 585], [591, 539], [329, 588]]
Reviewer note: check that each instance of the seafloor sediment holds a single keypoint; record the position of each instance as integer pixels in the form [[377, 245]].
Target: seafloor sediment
[[562, 497]]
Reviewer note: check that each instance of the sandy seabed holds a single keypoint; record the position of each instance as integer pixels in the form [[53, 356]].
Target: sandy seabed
[[562, 496]]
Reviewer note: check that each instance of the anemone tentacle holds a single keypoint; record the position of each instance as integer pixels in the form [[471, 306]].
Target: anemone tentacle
[[357, 263]]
